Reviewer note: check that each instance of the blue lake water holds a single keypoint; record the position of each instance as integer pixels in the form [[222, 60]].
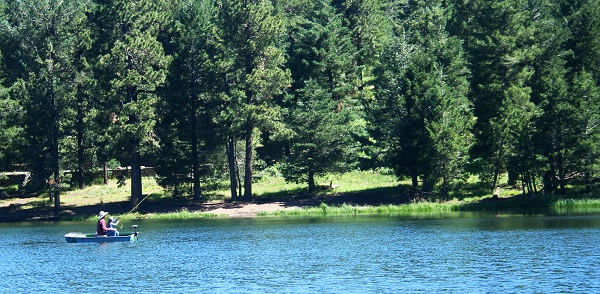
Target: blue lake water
[[453, 253]]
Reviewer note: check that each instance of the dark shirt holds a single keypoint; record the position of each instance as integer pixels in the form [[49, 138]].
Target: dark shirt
[[101, 227]]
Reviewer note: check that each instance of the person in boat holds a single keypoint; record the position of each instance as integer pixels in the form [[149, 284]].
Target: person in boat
[[112, 224], [102, 228]]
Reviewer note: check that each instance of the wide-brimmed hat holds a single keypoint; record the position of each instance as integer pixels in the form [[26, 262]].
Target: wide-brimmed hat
[[102, 214]]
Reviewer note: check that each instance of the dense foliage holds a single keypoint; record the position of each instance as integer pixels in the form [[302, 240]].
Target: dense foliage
[[205, 90]]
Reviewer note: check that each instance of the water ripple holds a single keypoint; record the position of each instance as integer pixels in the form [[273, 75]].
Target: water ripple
[[350, 255]]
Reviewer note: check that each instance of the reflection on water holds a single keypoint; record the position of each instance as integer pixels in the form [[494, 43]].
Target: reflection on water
[[461, 252]]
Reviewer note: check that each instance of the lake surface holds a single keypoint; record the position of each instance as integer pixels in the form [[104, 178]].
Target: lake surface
[[453, 253]]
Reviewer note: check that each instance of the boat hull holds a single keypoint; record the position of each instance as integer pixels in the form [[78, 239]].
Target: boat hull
[[92, 238]]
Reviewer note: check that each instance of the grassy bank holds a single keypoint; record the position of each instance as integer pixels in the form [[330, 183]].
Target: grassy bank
[[354, 193], [517, 204], [350, 209], [184, 214]]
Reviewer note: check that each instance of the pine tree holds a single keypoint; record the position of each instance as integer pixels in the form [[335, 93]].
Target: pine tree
[[584, 77], [11, 130], [188, 110], [10, 109], [45, 36], [368, 24], [555, 136], [251, 32], [83, 81], [497, 37], [134, 64], [321, 110], [584, 25], [586, 94], [424, 92]]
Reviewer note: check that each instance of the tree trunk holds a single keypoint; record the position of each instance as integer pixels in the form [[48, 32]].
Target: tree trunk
[[80, 148], [194, 120], [248, 160], [311, 181], [548, 182], [414, 178], [196, 175], [529, 182], [136, 179], [588, 183], [445, 188], [496, 175], [512, 177], [248, 164], [55, 188], [239, 179], [136, 169], [588, 186], [231, 160], [561, 174], [496, 165], [105, 173], [195, 163]]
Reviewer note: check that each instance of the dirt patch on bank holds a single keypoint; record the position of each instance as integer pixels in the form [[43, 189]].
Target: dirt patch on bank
[[19, 209], [245, 209], [14, 211]]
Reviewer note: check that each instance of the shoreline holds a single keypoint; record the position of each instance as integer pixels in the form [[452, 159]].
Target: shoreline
[[208, 209], [306, 207]]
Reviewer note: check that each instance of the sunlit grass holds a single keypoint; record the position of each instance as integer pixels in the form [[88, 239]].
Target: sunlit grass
[[577, 203], [182, 214], [376, 184], [9, 189], [360, 180], [273, 184], [111, 193], [354, 181], [387, 209]]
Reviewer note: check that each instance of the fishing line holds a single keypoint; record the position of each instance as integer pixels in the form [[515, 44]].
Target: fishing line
[[134, 208]]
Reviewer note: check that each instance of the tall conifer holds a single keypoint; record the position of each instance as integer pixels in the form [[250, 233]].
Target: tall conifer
[[322, 110], [251, 32], [187, 125], [425, 85], [134, 64], [44, 33]]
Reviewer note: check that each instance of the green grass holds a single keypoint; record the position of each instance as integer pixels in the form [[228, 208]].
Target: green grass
[[388, 195], [386, 209], [276, 188], [361, 180], [577, 203], [518, 203], [9, 189], [182, 214], [111, 193]]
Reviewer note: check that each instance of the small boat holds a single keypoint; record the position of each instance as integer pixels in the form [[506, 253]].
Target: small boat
[[94, 238]]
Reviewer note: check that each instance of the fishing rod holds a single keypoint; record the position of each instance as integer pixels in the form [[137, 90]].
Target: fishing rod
[[134, 208]]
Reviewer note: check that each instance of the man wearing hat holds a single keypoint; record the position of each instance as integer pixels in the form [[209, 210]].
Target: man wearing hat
[[101, 228]]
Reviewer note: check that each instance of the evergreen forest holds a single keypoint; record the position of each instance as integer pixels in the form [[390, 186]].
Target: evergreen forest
[[207, 91]]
